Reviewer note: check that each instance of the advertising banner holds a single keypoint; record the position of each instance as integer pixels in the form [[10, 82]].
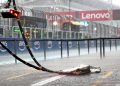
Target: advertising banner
[[96, 15], [93, 15], [67, 15]]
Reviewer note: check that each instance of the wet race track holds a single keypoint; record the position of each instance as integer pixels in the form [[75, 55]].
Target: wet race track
[[21, 75]]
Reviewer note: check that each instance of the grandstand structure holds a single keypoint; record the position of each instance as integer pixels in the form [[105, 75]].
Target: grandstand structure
[[44, 23]]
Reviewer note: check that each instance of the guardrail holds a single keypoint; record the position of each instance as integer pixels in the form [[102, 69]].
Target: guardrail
[[44, 46]]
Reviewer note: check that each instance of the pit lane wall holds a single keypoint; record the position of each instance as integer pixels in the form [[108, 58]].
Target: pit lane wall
[[49, 49]]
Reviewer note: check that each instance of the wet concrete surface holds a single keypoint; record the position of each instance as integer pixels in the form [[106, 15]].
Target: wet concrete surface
[[21, 75]]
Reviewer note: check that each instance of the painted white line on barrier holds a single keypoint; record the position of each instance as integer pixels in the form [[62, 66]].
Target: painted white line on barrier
[[56, 77]]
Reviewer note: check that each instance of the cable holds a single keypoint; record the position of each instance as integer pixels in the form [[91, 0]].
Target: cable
[[26, 43], [40, 67], [22, 32], [8, 4], [24, 62]]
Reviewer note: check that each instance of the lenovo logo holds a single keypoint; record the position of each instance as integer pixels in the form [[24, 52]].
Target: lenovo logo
[[96, 15]]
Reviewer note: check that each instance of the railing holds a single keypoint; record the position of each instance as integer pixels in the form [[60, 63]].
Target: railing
[[45, 49]]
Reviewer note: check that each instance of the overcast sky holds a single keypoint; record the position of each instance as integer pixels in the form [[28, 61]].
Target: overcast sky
[[116, 2], [1, 1]]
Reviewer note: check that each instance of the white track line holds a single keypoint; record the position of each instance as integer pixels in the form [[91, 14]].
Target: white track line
[[48, 80], [55, 77]]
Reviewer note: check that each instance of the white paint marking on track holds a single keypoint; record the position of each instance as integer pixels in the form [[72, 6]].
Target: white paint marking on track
[[48, 80], [56, 77]]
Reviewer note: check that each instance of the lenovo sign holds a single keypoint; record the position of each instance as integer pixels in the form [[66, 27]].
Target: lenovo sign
[[97, 15], [71, 15]]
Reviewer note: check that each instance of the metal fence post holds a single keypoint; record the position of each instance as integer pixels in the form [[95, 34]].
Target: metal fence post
[[67, 49], [96, 46], [44, 44], [110, 44], [103, 47], [100, 48], [61, 50], [79, 48], [15, 50], [88, 46], [115, 44]]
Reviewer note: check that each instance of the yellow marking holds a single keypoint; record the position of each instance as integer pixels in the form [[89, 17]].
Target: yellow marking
[[108, 74], [14, 77], [97, 82]]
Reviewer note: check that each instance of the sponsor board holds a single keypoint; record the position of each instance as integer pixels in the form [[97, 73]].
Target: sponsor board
[[36, 45], [91, 15], [66, 15], [96, 15], [2, 49], [21, 46], [49, 44]]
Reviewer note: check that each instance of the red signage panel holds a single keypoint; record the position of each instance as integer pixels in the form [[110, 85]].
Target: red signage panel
[[71, 15], [96, 15]]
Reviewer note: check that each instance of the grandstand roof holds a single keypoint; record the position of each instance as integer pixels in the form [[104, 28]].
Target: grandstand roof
[[74, 5], [98, 4]]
